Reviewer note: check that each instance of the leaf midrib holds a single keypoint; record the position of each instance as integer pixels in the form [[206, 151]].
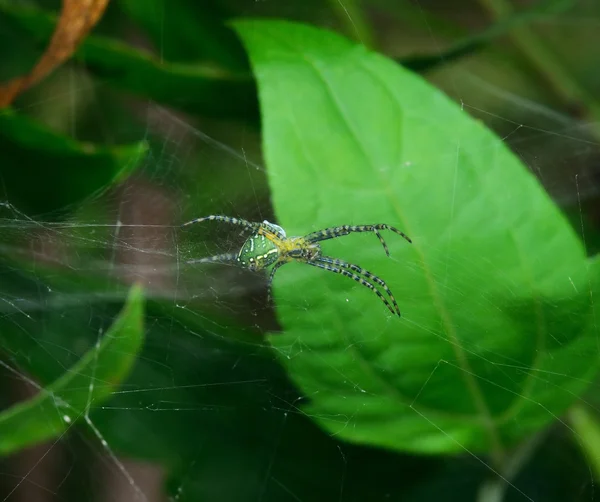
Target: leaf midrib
[[484, 414], [467, 373]]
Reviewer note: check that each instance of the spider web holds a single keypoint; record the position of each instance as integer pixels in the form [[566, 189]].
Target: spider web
[[196, 368]]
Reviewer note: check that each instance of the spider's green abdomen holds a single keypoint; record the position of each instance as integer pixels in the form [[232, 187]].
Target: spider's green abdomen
[[257, 253]]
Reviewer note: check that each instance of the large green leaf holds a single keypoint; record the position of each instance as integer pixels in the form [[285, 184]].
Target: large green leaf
[[76, 169], [91, 380], [197, 88], [496, 337]]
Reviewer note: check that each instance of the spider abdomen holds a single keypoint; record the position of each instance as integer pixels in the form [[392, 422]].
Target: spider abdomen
[[257, 253]]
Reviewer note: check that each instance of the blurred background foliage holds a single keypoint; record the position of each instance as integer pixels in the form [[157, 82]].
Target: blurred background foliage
[[109, 149]]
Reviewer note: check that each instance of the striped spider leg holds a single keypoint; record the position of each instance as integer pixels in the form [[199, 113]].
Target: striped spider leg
[[341, 267], [226, 219], [334, 232]]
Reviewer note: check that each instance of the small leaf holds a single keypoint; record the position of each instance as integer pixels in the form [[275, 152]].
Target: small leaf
[[28, 148], [90, 381], [496, 338], [197, 88], [77, 18]]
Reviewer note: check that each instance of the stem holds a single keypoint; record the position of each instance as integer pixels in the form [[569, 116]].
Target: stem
[[586, 428], [494, 489], [560, 80]]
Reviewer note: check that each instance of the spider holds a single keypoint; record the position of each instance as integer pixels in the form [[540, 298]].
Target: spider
[[269, 245]]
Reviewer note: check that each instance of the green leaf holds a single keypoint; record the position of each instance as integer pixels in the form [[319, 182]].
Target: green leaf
[[496, 338], [195, 31], [233, 402], [228, 406], [197, 88], [88, 382], [28, 148]]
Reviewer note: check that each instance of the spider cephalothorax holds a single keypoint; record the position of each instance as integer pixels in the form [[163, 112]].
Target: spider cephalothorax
[[269, 246], [298, 248]]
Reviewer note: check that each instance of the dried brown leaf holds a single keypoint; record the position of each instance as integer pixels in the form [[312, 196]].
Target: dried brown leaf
[[76, 19]]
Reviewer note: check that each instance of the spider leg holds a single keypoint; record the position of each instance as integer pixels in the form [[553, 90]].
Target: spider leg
[[361, 271], [271, 276], [360, 280], [226, 219], [380, 237], [220, 258], [333, 232]]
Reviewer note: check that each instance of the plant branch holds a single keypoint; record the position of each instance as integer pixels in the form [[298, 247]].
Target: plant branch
[[563, 84]]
